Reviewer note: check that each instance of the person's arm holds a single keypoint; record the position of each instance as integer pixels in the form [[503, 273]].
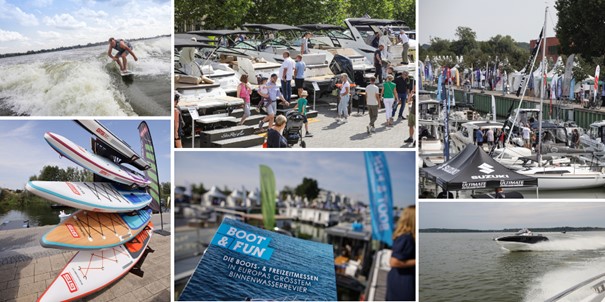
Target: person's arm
[[396, 263], [260, 93], [396, 95], [378, 58], [176, 124], [378, 99], [109, 53], [239, 89], [124, 46], [285, 70], [282, 98], [347, 90]]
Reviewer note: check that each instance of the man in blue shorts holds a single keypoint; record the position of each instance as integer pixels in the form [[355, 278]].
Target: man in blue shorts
[[124, 48]]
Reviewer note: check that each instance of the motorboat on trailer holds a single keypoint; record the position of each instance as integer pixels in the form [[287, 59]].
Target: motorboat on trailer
[[210, 115], [234, 54], [220, 79], [279, 38], [520, 241], [326, 37], [363, 29]]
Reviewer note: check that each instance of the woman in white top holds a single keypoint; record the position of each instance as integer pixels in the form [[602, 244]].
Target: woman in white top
[[304, 45], [343, 106]]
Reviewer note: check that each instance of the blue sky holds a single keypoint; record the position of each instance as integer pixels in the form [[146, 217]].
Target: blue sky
[[521, 19], [498, 215], [342, 171], [24, 151], [40, 24]]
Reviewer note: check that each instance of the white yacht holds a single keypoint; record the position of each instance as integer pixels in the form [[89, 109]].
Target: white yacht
[[465, 135]]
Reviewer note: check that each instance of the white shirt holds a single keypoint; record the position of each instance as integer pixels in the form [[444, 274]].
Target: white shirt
[[525, 133], [343, 89], [490, 135], [404, 38], [288, 63], [371, 91]]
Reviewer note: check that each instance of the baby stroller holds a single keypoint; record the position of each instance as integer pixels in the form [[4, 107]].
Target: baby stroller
[[293, 130]]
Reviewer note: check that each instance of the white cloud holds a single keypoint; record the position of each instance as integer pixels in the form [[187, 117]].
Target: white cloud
[[51, 35], [64, 21], [89, 13], [11, 12], [6, 36]]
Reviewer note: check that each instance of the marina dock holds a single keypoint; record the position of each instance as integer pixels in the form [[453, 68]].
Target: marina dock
[[482, 102], [27, 269]]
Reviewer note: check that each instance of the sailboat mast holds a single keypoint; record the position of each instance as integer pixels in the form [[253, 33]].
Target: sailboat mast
[[544, 61]]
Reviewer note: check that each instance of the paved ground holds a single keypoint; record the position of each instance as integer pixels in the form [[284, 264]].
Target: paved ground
[[26, 268], [328, 133]]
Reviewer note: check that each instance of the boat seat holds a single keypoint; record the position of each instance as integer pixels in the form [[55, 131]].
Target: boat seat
[[215, 118]]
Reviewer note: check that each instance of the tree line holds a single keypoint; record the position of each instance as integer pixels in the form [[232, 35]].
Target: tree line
[[32, 52], [508, 230], [220, 14], [579, 29]]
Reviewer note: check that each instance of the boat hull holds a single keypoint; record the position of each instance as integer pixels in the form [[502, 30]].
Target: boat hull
[[519, 243], [562, 182]]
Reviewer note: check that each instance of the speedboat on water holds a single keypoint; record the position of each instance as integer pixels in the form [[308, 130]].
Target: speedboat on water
[[521, 241]]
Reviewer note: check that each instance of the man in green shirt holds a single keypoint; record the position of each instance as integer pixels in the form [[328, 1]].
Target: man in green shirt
[[301, 105]]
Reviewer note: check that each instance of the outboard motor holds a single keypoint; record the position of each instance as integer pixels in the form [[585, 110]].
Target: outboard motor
[[341, 64]]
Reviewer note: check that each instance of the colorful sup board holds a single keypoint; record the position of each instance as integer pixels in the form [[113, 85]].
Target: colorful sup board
[[91, 196], [93, 162], [85, 230], [114, 142], [90, 271]]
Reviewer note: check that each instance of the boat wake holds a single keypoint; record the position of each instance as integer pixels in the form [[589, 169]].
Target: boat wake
[[572, 244], [84, 82], [60, 87], [556, 281]]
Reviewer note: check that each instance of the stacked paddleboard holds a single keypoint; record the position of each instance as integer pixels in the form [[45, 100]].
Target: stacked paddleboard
[[112, 226]]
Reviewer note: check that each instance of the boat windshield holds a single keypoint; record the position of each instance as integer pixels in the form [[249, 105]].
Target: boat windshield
[[523, 232], [247, 45], [341, 34]]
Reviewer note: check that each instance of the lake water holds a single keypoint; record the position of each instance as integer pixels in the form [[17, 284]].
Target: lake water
[[473, 267], [85, 82], [38, 215]]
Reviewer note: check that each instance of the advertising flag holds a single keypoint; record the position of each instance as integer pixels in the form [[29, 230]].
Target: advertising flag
[[148, 153], [267, 195], [381, 197]]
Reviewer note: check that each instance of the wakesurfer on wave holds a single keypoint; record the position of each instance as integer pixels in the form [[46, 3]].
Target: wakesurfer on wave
[[124, 48]]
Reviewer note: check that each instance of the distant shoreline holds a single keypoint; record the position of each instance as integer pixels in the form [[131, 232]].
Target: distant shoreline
[[535, 230], [33, 52]]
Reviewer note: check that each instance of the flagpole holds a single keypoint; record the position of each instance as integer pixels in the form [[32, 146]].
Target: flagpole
[[523, 87], [539, 136]]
